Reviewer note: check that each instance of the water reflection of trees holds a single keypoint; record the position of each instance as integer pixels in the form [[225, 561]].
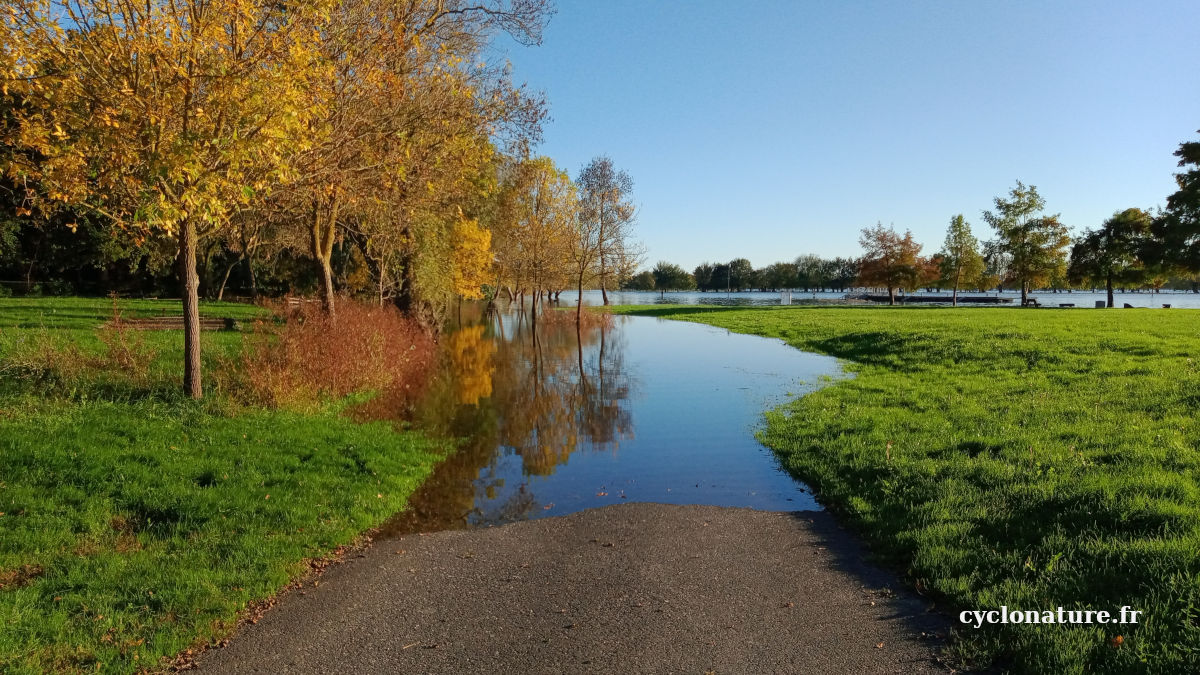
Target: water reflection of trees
[[517, 386]]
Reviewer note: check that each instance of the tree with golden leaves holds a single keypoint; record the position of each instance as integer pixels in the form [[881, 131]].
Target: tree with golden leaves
[[166, 117], [537, 228], [472, 258], [401, 135]]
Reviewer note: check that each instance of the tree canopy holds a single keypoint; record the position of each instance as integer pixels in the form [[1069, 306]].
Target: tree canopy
[[1035, 245], [1177, 229], [961, 263], [890, 260]]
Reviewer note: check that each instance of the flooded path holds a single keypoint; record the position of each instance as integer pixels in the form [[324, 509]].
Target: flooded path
[[618, 415], [629, 409]]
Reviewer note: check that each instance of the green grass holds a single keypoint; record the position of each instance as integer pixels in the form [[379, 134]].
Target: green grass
[[1039, 458], [135, 523]]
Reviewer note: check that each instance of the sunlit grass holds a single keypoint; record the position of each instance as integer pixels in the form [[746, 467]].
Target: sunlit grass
[[1038, 458], [135, 523]]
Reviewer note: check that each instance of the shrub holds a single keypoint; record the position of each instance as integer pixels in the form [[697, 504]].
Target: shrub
[[313, 356]]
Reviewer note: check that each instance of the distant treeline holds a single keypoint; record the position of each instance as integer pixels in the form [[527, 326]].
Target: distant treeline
[[1030, 249], [808, 272]]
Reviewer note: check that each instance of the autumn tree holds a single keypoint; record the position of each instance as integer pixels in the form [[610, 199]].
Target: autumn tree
[[889, 260], [539, 228], [1112, 252], [165, 117], [607, 217], [472, 258], [401, 136], [961, 262], [1035, 244]]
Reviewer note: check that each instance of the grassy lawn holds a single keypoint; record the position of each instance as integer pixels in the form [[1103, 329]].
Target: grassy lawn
[[134, 523], [1028, 458]]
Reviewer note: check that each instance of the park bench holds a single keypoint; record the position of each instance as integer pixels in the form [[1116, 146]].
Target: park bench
[[1031, 302]]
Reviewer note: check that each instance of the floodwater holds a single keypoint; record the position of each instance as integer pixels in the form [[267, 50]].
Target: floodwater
[[560, 419]]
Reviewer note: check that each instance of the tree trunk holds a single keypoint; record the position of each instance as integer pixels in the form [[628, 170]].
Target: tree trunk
[[954, 303], [1024, 293], [253, 280], [327, 296], [321, 238], [1108, 287], [406, 297], [225, 279], [579, 300], [191, 309], [891, 295]]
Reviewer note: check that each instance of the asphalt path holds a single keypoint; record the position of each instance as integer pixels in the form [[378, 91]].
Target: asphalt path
[[628, 588]]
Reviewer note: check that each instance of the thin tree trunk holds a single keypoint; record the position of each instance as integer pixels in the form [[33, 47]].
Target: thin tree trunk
[[1024, 293], [253, 279], [191, 310], [225, 279], [382, 281], [579, 301], [327, 296], [891, 295], [536, 295], [1108, 286], [321, 239]]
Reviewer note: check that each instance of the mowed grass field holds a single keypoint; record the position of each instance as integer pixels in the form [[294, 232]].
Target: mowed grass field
[[1005, 457], [135, 523]]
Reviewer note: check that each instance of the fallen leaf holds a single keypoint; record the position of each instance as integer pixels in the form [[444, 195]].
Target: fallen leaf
[[879, 646]]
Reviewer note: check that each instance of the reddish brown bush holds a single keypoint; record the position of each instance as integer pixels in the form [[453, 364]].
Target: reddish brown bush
[[312, 356]]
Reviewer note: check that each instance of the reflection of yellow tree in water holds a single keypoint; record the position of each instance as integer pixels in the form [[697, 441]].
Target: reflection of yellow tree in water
[[555, 399], [471, 365], [540, 394]]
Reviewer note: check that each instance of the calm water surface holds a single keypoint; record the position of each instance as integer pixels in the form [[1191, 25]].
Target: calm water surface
[[632, 409]]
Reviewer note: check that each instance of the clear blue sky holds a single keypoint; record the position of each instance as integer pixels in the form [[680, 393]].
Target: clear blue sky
[[770, 129]]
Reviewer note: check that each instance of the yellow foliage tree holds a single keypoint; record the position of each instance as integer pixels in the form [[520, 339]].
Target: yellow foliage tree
[[164, 115], [537, 227], [472, 258]]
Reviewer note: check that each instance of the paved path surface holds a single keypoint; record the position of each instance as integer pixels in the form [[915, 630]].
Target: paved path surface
[[625, 588]]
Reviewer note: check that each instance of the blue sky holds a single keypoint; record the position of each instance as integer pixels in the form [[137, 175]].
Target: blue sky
[[770, 129]]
